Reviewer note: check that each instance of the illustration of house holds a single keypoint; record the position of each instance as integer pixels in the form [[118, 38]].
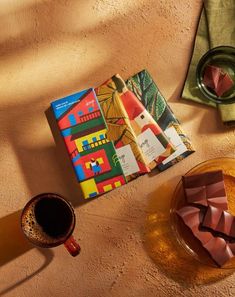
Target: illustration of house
[[84, 131]]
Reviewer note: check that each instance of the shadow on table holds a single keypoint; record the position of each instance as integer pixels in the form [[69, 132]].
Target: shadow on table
[[35, 44], [46, 168], [161, 245], [13, 244]]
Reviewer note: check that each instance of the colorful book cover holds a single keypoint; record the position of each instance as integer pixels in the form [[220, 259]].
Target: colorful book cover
[[84, 131], [154, 144], [145, 89], [120, 131]]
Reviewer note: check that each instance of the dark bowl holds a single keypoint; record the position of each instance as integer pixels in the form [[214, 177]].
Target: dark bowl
[[223, 57]]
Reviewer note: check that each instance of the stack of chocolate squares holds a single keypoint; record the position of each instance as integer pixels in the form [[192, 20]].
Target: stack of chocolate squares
[[207, 215]]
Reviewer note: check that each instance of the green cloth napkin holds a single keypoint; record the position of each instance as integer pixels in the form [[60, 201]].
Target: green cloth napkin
[[216, 28]]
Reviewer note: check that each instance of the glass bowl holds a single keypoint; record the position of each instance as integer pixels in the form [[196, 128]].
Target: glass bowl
[[223, 57], [183, 234]]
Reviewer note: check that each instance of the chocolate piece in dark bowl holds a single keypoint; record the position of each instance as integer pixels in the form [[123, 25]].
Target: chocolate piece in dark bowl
[[217, 80]]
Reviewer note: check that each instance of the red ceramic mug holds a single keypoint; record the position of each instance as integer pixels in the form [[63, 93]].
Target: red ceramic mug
[[48, 220]]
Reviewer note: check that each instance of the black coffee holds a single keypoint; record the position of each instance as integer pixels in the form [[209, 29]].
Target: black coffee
[[54, 216]]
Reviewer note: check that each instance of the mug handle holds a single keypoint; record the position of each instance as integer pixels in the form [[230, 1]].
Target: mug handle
[[72, 246]]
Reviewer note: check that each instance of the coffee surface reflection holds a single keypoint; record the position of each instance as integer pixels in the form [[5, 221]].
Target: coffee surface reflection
[[48, 220]]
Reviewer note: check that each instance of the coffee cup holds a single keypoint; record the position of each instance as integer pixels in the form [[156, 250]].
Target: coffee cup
[[48, 220]]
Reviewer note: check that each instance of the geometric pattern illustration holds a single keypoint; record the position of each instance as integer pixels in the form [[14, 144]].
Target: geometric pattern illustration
[[157, 149], [119, 128], [92, 154], [146, 90]]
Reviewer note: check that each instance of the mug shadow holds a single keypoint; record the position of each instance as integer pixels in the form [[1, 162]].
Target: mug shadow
[[13, 244], [161, 245]]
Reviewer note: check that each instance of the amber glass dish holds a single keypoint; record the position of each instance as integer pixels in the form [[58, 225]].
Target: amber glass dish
[[184, 237]]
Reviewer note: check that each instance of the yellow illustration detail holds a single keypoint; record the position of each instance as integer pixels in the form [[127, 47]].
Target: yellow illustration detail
[[107, 188], [79, 141], [100, 160], [117, 184], [88, 187]]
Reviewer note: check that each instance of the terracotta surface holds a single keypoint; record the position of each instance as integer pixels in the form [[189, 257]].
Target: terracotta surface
[[53, 48]]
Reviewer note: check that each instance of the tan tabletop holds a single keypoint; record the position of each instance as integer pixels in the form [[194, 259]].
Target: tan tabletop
[[50, 49]]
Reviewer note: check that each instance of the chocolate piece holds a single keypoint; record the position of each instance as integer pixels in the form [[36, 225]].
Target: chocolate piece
[[219, 250], [203, 179], [190, 216], [212, 217], [216, 189], [206, 189], [217, 247], [220, 221], [219, 202], [225, 223], [217, 80], [225, 84], [204, 236], [197, 195], [211, 76]]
